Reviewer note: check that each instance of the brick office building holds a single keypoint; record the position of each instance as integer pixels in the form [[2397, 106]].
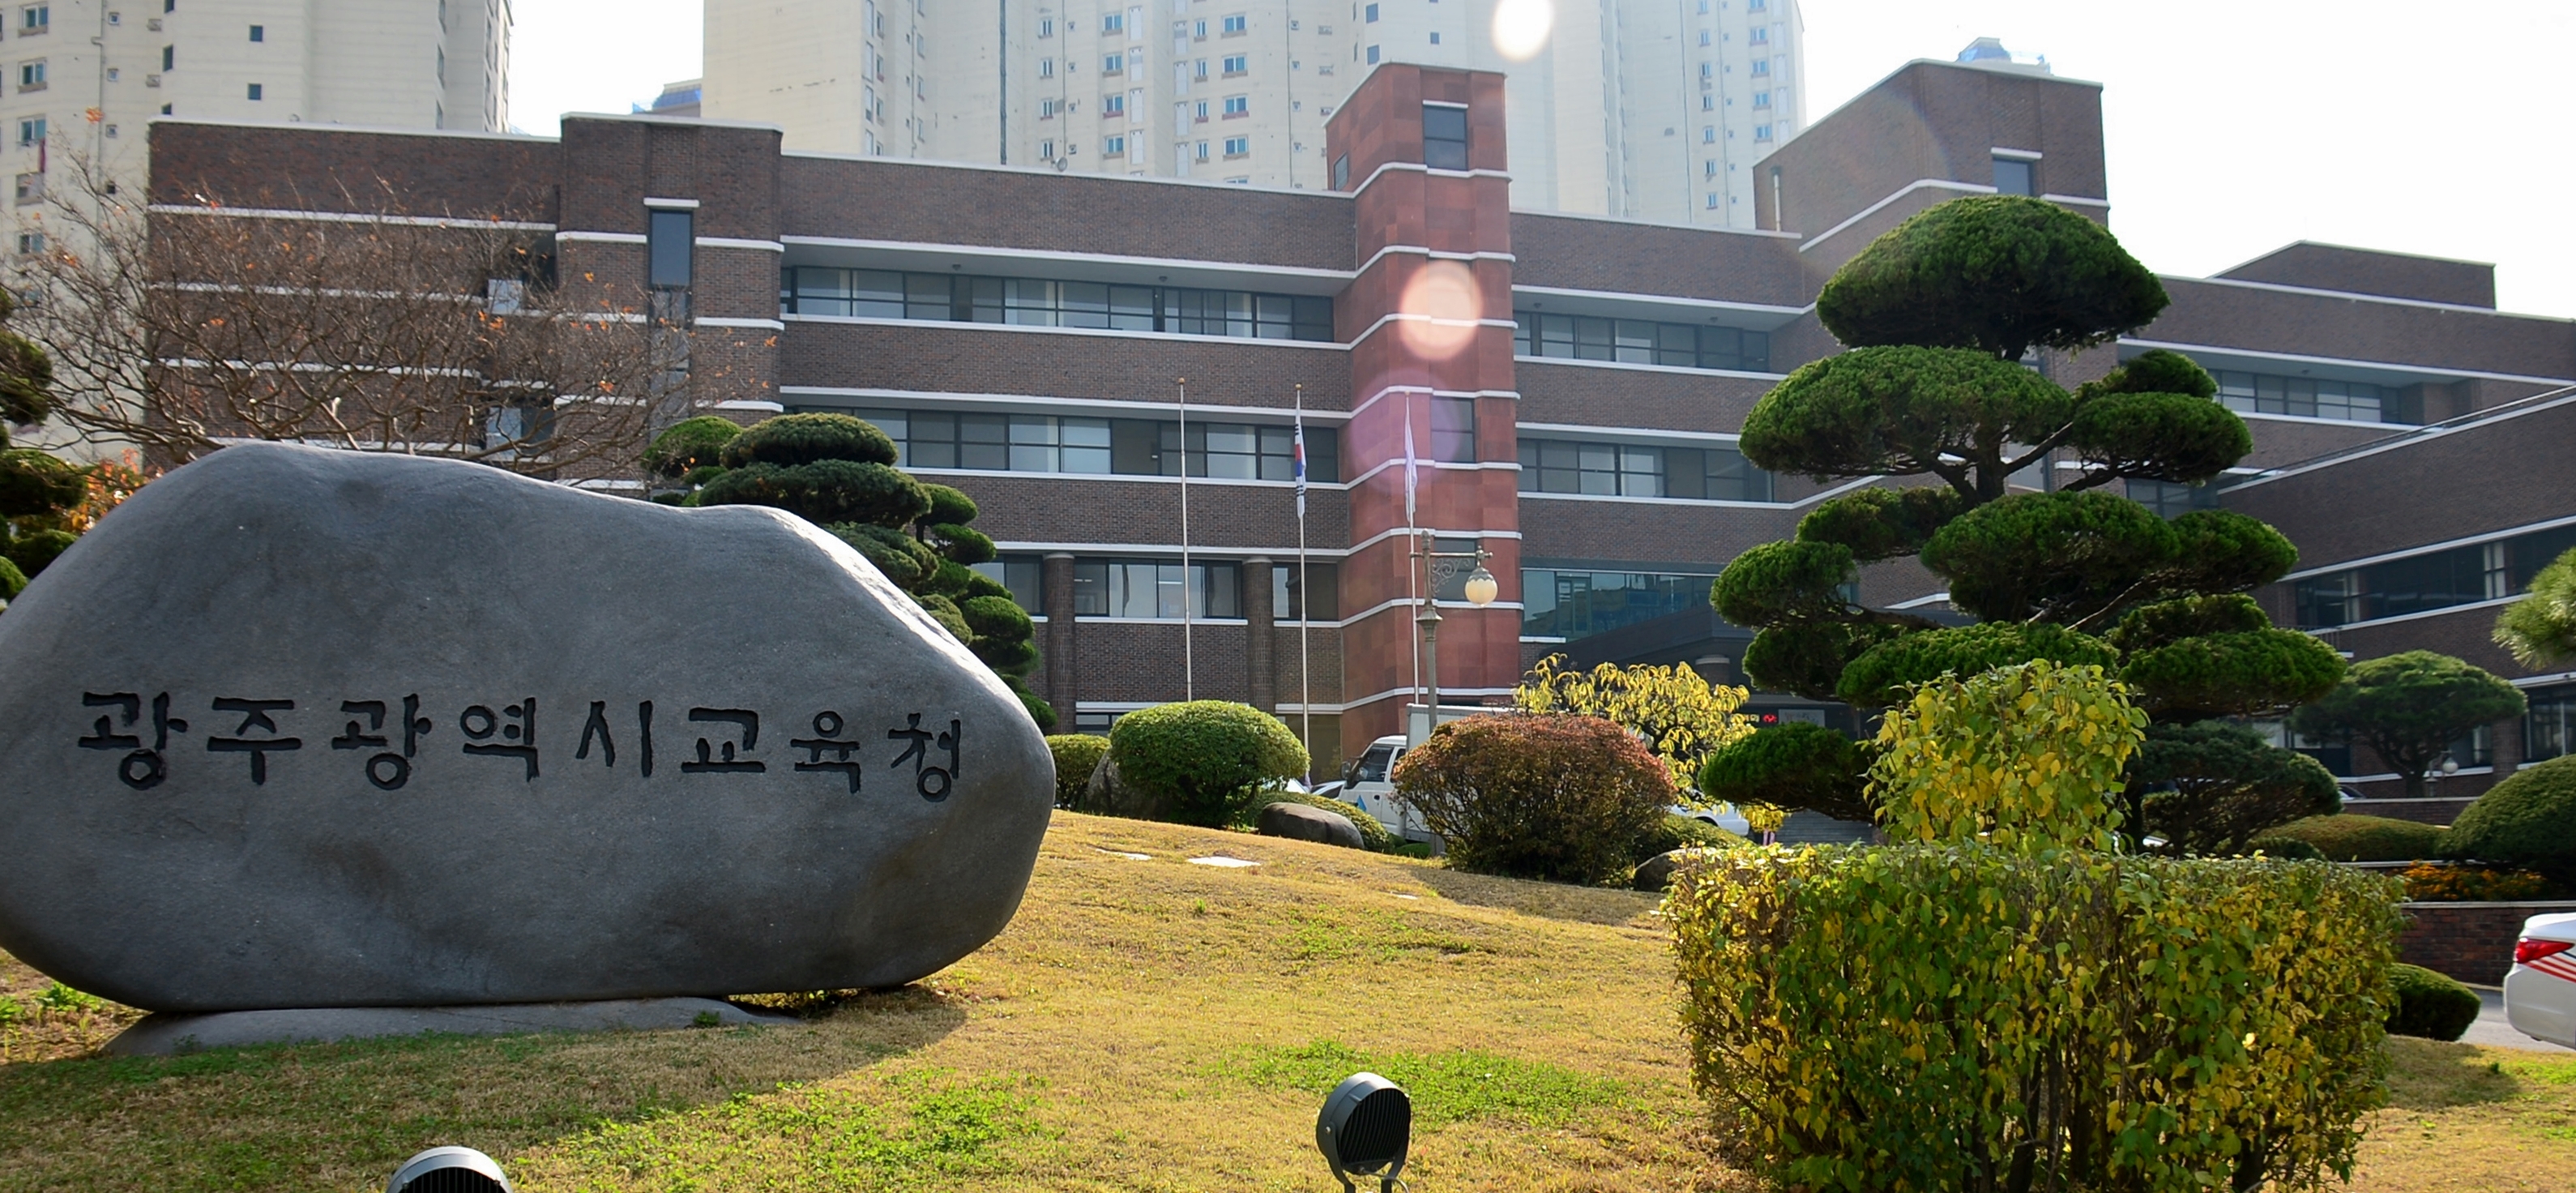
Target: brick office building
[[1570, 387]]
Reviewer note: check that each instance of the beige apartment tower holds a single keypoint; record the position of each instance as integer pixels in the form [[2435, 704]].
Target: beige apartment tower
[[86, 76], [1640, 109]]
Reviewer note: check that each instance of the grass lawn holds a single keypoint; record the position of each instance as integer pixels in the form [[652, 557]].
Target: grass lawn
[[1144, 1024]]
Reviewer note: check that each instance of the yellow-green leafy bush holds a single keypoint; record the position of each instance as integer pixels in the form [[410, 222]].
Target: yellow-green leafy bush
[[1967, 1018], [1076, 756], [1998, 1004]]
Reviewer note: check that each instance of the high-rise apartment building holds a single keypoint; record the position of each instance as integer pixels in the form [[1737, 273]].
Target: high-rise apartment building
[[87, 75], [1641, 109]]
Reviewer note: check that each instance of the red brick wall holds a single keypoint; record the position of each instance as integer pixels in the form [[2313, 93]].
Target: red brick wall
[[2472, 942]]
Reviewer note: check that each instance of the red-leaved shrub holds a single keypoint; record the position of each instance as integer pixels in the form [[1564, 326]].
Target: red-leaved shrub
[[1557, 797]]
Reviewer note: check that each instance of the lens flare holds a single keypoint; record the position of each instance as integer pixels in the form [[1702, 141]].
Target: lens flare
[[1442, 307], [1521, 28]]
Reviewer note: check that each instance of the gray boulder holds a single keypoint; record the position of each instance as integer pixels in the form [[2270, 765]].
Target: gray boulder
[[1656, 873], [1305, 822], [1109, 795], [306, 728]]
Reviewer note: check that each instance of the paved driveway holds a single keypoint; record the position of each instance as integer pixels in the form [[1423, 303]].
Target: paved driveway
[[2491, 1029]]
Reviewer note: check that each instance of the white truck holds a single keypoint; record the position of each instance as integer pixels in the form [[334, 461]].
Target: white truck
[[1366, 786]]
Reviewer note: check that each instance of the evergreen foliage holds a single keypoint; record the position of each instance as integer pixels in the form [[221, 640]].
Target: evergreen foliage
[[1076, 756], [2349, 837], [2429, 1005], [2215, 787], [2409, 707], [1204, 761], [2528, 819], [2540, 629], [838, 472], [1933, 395], [1793, 766]]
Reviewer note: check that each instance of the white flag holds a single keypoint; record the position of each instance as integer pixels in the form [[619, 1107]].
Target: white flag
[[1412, 472]]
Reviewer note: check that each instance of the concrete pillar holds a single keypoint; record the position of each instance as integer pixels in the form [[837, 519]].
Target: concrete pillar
[[1056, 578], [1261, 640]]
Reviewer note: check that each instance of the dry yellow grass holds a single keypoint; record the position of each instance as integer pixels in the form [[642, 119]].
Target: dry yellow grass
[[1144, 1024]]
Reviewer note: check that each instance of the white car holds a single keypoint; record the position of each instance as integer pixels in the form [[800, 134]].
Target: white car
[[2540, 993]]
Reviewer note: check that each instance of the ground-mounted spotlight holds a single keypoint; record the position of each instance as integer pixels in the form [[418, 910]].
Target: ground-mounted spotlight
[[1364, 1129], [449, 1170]]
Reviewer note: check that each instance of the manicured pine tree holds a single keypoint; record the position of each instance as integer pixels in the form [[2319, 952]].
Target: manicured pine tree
[[1939, 314], [838, 472], [37, 490]]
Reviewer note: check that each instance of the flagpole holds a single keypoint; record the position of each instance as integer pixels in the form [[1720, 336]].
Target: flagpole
[[1412, 544], [1189, 657], [1305, 595]]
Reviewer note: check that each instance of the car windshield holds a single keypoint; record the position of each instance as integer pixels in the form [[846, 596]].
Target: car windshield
[[1374, 764]]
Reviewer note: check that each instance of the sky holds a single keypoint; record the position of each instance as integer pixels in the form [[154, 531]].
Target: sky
[[2232, 129]]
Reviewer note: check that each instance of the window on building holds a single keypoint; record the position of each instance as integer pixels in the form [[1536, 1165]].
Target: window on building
[[1703, 37], [259, 33], [2354, 401], [1111, 64], [670, 249], [1235, 25], [1024, 575], [1444, 137], [1369, 14], [1761, 132], [2549, 725], [1238, 105], [169, 57], [1036, 302], [34, 19], [1113, 105], [1342, 172], [2429, 580], [31, 75], [1112, 146], [1761, 66], [1046, 151], [2013, 177], [1758, 35], [255, 91], [1046, 68], [1046, 26], [1573, 602], [1640, 470], [1637, 341], [1113, 22], [1236, 64], [1156, 589], [31, 129], [31, 187], [1238, 146], [1199, 111], [1198, 31], [1708, 134], [1200, 151], [1761, 99], [1453, 430], [1435, 38], [30, 243], [1315, 598], [2171, 500], [1372, 55]]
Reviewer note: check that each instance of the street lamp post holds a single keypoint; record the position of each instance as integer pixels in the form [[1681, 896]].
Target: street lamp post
[[1481, 591]]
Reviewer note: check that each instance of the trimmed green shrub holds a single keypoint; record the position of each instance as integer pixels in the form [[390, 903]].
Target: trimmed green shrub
[[1996, 273], [1374, 835], [825, 491], [2429, 1005], [1204, 761], [1794, 766], [1879, 677], [1676, 831], [33, 483], [2529, 819], [32, 550], [1555, 796], [12, 581], [2288, 849], [1963, 1016], [2206, 788], [689, 446], [1076, 756], [2346, 837], [793, 439]]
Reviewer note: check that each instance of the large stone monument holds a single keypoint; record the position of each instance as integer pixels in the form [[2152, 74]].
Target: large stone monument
[[298, 728]]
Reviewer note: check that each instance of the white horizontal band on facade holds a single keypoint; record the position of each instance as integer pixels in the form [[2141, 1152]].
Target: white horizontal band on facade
[[727, 321], [1446, 695], [1944, 184], [671, 204], [1273, 415], [752, 404], [1433, 320], [601, 237], [980, 252], [1586, 432], [2409, 438], [1668, 301], [1417, 250], [2418, 615], [1410, 531], [1641, 367], [1420, 168], [1412, 390], [2382, 299], [1152, 478], [1446, 466], [1103, 332], [1693, 502], [2431, 373], [2537, 681], [1921, 601], [1279, 556], [348, 217], [2487, 536], [1415, 602], [1174, 622], [734, 242]]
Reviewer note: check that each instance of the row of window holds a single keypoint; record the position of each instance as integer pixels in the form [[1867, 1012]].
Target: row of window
[[1569, 604], [2354, 401], [1039, 302], [2433, 580], [1104, 446], [1133, 20], [1627, 470], [1638, 341], [1155, 588]]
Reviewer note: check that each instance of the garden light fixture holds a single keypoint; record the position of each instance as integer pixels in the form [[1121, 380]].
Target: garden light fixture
[[1482, 588], [1364, 1129], [449, 1170]]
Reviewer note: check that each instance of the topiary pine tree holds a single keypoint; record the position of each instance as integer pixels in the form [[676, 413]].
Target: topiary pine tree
[[2409, 707], [1938, 315], [37, 490], [838, 472]]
